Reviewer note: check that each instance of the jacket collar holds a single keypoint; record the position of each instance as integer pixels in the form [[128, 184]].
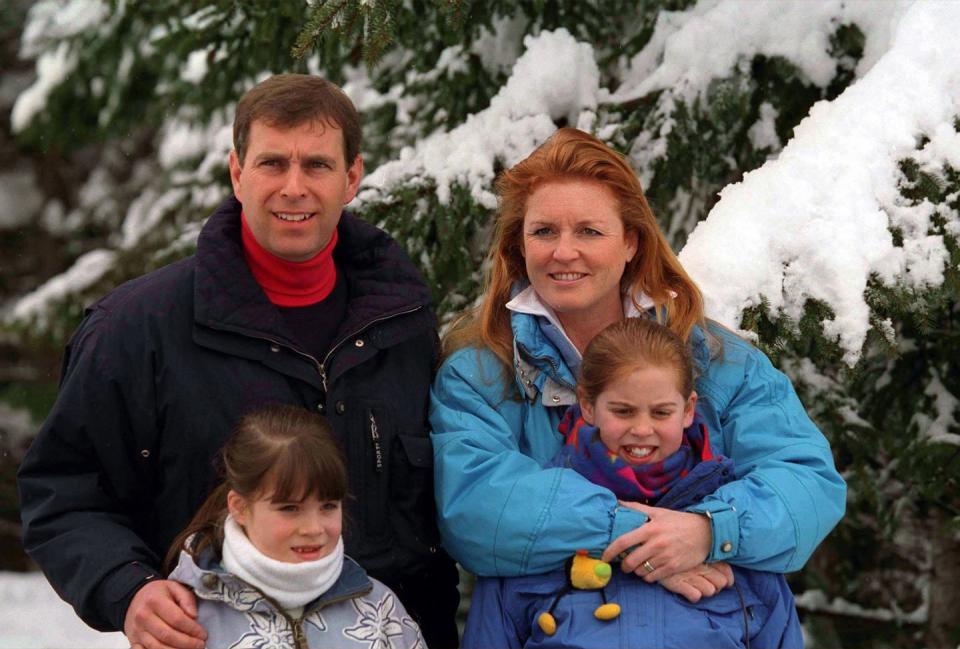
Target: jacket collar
[[381, 280], [532, 346], [206, 576], [541, 370]]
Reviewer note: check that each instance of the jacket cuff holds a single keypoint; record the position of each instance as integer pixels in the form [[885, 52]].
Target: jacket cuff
[[118, 588], [625, 520], [724, 528]]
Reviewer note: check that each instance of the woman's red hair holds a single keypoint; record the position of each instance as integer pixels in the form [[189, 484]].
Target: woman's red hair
[[571, 154]]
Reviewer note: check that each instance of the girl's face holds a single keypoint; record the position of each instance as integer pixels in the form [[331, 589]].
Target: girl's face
[[641, 416], [291, 532]]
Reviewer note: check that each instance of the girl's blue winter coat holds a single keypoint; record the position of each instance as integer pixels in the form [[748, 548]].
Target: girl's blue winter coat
[[502, 513], [758, 611]]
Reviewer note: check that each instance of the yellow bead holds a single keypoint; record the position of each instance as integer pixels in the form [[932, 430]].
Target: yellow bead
[[547, 623], [607, 612]]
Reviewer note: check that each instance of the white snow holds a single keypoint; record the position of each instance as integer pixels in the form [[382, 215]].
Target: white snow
[[48, 21], [816, 220], [936, 429], [51, 20], [499, 50], [763, 134], [52, 68], [817, 601], [690, 48], [89, 268], [555, 77], [33, 616], [147, 211], [195, 67]]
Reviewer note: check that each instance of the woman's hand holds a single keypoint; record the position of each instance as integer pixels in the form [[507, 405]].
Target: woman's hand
[[706, 580], [670, 542]]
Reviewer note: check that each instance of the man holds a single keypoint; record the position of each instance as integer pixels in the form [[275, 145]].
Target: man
[[287, 300]]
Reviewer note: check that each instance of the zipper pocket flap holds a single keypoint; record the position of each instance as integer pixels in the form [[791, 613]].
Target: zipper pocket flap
[[419, 450]]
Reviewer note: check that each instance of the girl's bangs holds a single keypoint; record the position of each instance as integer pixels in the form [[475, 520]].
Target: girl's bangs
[[298, 474]]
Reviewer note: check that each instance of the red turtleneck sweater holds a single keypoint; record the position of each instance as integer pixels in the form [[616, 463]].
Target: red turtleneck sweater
[[290, 283]]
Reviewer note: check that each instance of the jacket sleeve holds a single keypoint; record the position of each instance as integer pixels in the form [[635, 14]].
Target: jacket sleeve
[[84, 478], [500, 512], [788, 494]]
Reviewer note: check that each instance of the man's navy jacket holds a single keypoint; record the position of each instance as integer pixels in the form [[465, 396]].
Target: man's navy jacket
[[158, 374]]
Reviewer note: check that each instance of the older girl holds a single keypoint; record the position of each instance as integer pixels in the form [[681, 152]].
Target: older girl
[[264, 554], [636, 432], [575, 249]]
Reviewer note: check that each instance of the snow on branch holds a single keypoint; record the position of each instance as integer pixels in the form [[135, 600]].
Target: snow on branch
[[557, 77], [816, 222], [87, 270]]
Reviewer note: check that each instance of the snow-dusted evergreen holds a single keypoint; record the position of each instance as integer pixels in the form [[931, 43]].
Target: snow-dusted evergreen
[[831, 128]]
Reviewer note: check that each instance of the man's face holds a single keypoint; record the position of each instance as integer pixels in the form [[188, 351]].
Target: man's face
[[293, 185]]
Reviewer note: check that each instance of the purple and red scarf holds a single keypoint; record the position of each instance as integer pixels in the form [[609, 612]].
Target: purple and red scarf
[[645, 483]]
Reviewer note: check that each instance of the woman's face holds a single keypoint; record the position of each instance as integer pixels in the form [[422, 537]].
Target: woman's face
[[575, 249]]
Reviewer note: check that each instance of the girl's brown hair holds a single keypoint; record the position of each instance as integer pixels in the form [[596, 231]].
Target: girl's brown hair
[[571, 154], [629, 345], [287, 450]]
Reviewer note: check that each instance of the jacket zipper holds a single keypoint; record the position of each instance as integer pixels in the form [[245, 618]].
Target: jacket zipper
[[322, 367], [553, 365], [299, 639]]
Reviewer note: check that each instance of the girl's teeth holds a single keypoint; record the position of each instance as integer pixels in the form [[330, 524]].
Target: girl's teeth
[[639, 451]]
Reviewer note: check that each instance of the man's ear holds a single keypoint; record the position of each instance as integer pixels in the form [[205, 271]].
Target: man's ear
[[235, 169], [689, 409], [354, 175], [237, 506]]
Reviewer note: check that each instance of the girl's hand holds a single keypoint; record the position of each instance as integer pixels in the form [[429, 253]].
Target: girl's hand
[[706, 580], [670, 542]]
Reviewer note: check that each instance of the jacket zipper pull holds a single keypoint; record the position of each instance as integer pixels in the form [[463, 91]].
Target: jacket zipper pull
[[375, 439], [323, 376], [299, 638]]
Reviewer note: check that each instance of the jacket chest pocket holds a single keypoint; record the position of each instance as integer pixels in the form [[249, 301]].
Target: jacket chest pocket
[[390, 473]]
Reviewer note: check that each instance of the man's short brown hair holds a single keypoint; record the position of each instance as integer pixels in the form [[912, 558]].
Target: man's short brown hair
[[288, 100]]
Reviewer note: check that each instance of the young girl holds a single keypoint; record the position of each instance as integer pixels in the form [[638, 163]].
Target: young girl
[[636, 432], [264, 554]]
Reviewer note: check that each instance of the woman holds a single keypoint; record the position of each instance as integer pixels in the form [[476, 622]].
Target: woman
[[576, 248]]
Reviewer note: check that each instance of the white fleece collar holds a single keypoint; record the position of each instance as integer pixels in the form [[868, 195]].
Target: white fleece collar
[[290, 585]]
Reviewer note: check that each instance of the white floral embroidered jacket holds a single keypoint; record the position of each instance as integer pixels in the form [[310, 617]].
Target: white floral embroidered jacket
[[357, 612]]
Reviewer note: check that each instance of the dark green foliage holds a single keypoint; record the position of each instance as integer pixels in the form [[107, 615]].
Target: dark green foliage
[[443, 235]]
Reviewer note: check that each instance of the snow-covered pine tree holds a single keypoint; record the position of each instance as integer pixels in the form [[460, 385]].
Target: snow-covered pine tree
[[697, 94]]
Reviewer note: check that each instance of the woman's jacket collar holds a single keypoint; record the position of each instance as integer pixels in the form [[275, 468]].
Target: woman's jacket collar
[[541, 372]]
